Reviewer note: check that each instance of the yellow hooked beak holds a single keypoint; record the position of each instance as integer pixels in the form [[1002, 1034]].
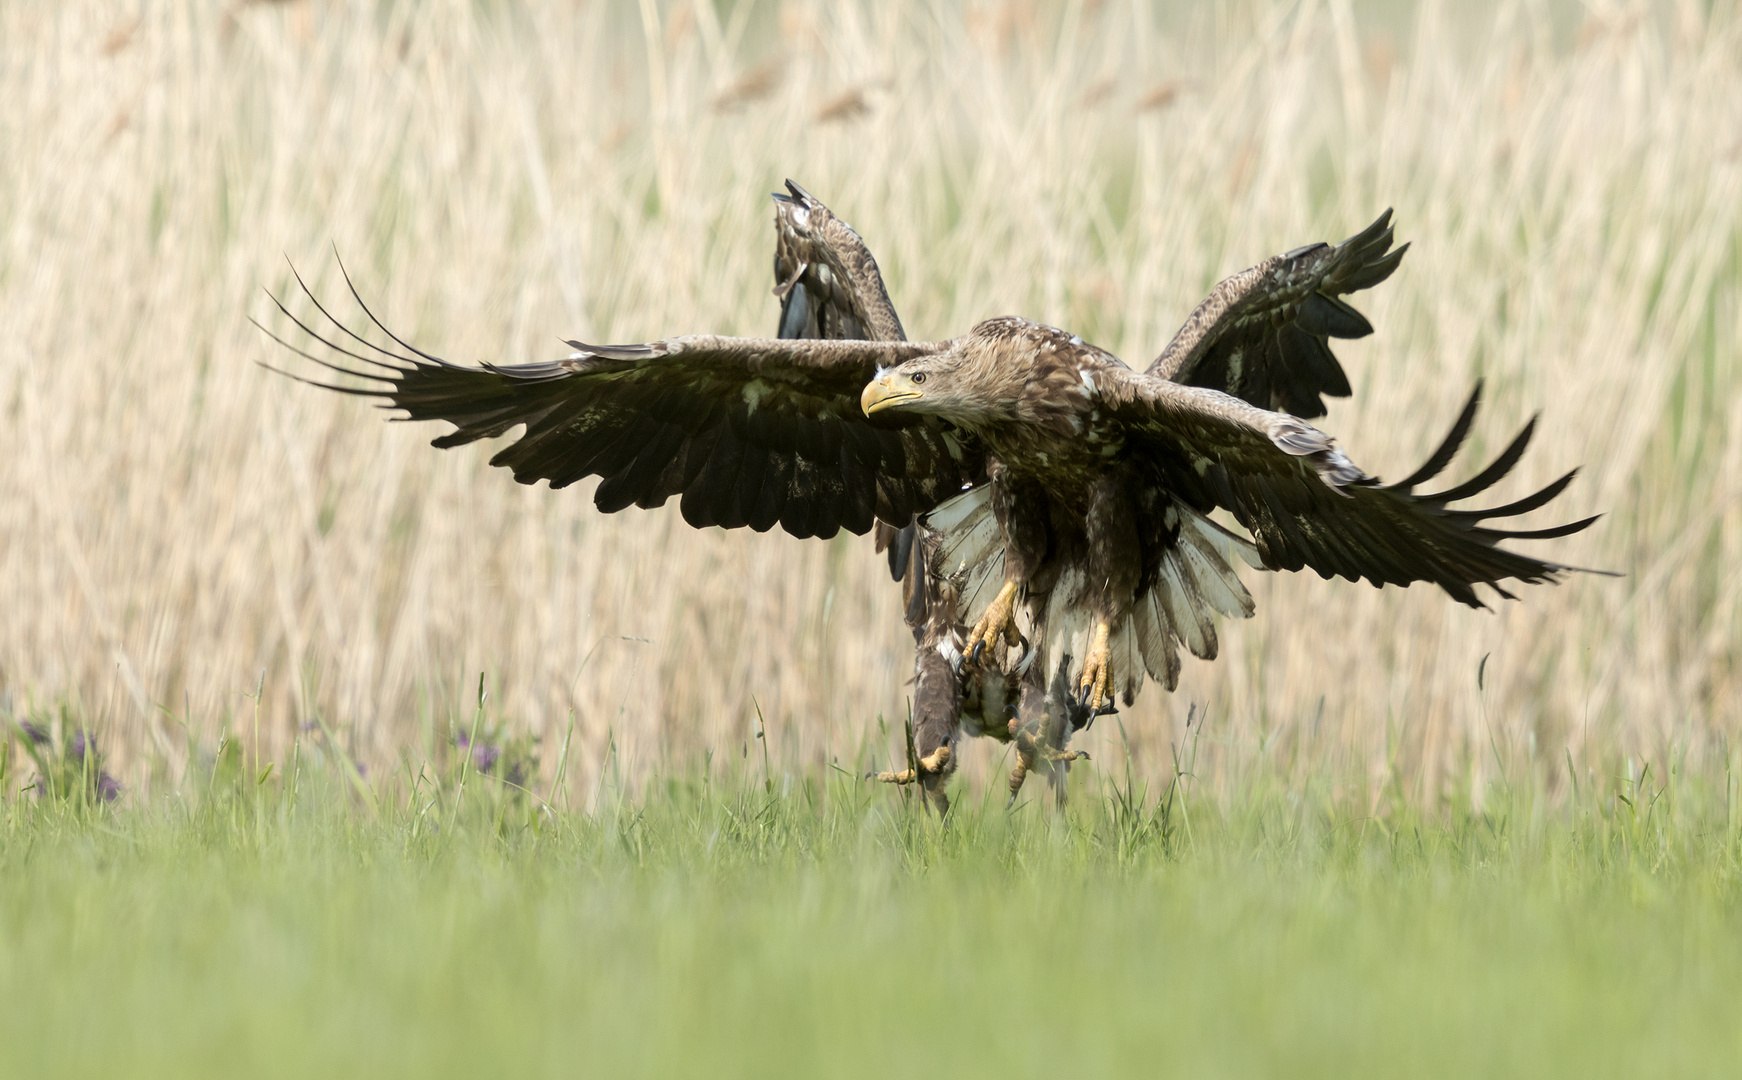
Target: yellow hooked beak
[[883, 392]]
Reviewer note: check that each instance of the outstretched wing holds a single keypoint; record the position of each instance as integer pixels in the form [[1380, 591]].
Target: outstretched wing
[[747, 431], [1308, 505], [828, 283], [1264, 334]]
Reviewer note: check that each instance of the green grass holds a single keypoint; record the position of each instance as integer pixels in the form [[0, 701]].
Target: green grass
[[833, 929]]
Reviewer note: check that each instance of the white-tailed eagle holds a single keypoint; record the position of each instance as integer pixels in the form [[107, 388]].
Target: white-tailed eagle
[[1016, 458]]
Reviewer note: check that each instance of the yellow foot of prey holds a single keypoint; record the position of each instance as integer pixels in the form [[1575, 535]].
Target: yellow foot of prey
[[1095, 688], [929, 772], [938, 761], [999, 621], [1033, 755]]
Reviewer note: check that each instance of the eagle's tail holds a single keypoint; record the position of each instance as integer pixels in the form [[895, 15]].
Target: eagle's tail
[[1195, 581], [1197, 578]]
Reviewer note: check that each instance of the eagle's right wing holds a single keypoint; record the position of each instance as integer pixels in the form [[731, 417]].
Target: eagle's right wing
[[1263, 334], [747, 431]]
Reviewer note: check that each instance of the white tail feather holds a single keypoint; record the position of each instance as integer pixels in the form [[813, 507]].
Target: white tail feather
[[1191, 615], [1168, 676], [1126, 657], [1153, 641], [1220, 587], [970, 545], [1228, 544], [959, 512]]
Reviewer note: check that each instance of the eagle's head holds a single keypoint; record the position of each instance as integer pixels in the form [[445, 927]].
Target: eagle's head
[[942, 384], [983, 377], [912, 385]]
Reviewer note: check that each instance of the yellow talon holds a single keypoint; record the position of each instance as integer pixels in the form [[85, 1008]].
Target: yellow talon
[[999, 621], [1097, 671]]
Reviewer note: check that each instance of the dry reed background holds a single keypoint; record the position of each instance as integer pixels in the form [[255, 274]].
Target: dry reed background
[[174, 520]]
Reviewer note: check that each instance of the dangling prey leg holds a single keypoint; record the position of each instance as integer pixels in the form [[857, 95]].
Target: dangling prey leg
[[1030, 756], [1042, 728], [930, 772], [926, 766], [1033, 754], [998, 621]]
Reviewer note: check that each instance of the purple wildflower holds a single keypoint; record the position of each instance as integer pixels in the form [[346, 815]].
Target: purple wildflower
[[462, 739], [484, 756], [36, 733], [108, 788], [76, 748]]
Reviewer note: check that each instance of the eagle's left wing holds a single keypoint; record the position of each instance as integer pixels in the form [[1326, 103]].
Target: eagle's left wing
[[827, 281], [1306, 504], [1264, 334]]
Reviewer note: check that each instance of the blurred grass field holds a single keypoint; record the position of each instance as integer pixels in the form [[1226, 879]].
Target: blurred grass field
[[255, 818], [720, 928]]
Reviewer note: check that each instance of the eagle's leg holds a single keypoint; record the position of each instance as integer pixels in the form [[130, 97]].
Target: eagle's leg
[[1115, 563], [1093, 688], [1021, 509], [999, 621]]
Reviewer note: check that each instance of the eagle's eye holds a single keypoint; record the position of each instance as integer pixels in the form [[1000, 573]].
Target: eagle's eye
[[918, 377]]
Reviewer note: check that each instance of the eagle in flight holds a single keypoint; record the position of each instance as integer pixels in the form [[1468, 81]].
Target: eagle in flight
[[1015, 471]]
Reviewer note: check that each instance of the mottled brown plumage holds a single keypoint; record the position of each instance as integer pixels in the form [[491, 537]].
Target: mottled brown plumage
[[1101, 466], [1032, 459]]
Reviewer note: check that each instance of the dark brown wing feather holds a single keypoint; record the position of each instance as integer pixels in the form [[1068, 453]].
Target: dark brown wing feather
[[1264, 334], [828, 283], [1307, 505], [746, 431]]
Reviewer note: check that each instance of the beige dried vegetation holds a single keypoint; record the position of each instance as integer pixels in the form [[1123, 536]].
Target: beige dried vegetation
[[176, 521]]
